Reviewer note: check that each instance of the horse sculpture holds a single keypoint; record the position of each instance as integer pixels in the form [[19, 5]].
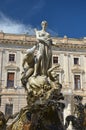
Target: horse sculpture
[[79, 119]]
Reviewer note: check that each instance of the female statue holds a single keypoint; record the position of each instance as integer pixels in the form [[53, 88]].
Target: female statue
[[44, 54]]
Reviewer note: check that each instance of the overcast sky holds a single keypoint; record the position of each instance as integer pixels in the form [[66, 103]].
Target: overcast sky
[[64, 17]]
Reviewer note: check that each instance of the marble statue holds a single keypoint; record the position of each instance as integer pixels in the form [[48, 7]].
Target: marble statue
[[28, 65], [44, 110], [44, 54], [45, 50]]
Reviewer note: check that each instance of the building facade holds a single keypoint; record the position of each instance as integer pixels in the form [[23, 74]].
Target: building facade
[[70, 53]]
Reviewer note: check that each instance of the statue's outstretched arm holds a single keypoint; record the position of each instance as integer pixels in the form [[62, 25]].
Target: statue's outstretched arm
[[50, 70]]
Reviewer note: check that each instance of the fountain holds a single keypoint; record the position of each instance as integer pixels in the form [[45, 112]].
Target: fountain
[[44, 110]]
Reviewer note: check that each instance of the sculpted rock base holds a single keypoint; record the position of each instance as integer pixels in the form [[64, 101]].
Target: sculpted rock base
[[41, 114]]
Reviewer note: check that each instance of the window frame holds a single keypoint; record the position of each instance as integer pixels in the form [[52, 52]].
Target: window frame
[[8, 109], [76, 62], [77, 86], [10, 81], [55, 59], [12, 55]]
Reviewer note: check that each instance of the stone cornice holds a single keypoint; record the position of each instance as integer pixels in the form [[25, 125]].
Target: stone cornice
[[67, 46], [63, 44], [17, 42]]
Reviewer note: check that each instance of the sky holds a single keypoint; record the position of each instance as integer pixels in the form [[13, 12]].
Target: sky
[[64, 17]]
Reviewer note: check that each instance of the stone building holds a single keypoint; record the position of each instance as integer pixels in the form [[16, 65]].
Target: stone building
[[70, 53]]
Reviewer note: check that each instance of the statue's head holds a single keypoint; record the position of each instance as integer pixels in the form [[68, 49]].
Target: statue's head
[[44, 24], [55, 76]]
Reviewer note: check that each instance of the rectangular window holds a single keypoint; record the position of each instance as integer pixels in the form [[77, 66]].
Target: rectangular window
[[55, 59], [76, 61], [10, 80], [11, 57], [8, 109], [77, 82]]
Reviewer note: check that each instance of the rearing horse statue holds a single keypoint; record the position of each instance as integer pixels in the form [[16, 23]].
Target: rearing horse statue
[[79, 118]]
